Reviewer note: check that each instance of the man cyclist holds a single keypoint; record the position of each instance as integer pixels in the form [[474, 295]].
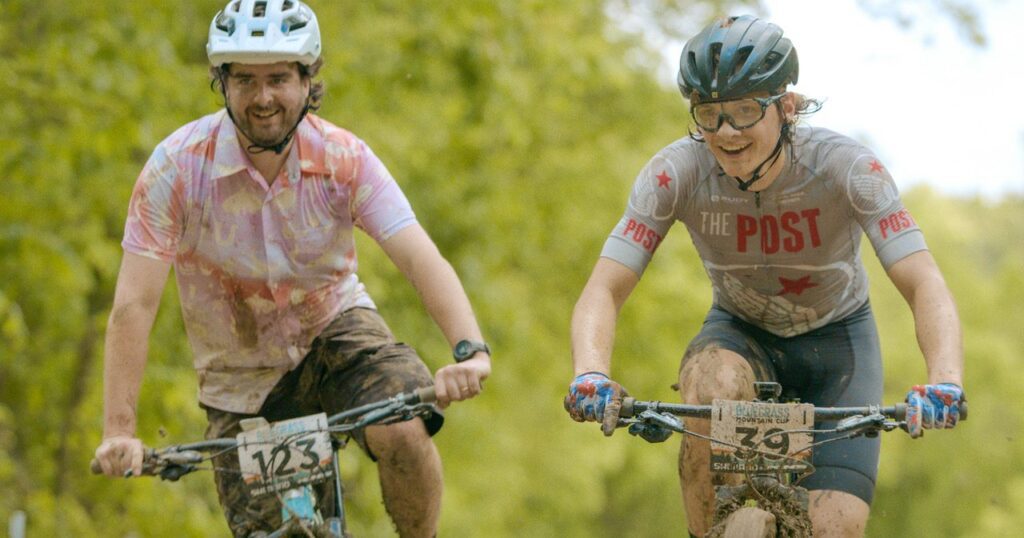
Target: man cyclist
[[776, 213], [254, 207]]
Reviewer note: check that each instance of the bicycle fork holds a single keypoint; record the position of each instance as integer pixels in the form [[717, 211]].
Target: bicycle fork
[[298, 509]]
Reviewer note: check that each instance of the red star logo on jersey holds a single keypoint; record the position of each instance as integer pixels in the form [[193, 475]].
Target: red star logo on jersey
[[876, 166], [796, 287], [664, 179]]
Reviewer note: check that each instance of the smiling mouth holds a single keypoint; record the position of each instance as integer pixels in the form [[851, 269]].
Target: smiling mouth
[[264, 115], [734, 150]]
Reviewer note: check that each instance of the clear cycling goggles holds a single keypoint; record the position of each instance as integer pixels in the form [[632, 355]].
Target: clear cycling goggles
[[740, 113]]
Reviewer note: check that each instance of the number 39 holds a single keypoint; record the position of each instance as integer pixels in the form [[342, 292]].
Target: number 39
[[775, 439]]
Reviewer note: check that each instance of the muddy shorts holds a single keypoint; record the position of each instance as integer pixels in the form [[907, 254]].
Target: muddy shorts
[[354, 361], [836, 365]]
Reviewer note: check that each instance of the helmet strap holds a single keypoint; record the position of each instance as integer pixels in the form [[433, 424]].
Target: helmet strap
[[744, 185], [277, 148]]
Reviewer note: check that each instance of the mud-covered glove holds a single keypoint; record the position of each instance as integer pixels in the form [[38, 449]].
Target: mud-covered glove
[[594, 397], [652, 433], [933, 406]]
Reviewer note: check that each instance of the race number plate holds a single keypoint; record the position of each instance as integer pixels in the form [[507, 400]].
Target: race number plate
[[286, 454], [740, 428]]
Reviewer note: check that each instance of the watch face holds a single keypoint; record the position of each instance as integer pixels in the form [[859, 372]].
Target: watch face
[[465, 349]]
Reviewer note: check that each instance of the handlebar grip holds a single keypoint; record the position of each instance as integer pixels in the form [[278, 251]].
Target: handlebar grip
[[626, 410], [426, 395], [963, 410], [96, 469], [900, 412]]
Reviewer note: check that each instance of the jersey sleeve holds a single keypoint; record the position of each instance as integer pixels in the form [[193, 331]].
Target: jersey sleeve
[[379, 207], [649, 215], [878, 208], [156, 210]]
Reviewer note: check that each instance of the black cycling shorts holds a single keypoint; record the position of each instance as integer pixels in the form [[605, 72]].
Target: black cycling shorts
[[837, 365]]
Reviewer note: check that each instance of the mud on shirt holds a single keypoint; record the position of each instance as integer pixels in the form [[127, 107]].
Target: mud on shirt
[[785, 259], [261, 267]]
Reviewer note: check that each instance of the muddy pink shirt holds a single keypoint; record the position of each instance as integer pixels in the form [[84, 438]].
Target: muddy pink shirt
[[261, 270]]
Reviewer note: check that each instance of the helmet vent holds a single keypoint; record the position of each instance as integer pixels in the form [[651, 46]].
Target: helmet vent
[[288, 4], [769, 62], [293, 23], [236, 6], [741, 56], [716, 56], [225, 23], [258, 33], [259, 9]]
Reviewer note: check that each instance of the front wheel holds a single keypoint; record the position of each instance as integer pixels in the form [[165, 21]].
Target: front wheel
[[747, 522], [785, 503]]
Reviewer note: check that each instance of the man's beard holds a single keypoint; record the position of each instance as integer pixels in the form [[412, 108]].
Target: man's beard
[[272, 134]]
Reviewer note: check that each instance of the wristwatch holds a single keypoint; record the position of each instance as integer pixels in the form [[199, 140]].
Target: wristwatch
[[465, 349]]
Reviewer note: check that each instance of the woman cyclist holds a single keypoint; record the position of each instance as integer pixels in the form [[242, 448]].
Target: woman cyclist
[[776, 212]]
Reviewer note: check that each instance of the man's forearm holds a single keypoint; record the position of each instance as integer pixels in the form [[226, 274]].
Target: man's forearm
[[446, 302], [123, 364]]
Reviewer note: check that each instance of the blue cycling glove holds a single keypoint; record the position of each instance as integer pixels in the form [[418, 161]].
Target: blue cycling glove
[[933, 406], [594, 397]]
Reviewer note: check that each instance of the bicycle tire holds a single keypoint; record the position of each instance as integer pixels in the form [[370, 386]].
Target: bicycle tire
[[748, 522], [786, 506]]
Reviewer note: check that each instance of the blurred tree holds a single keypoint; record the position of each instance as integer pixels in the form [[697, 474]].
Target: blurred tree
[[965, 15]]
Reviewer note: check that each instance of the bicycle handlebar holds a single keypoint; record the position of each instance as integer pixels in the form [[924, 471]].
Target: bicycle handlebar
[[632, 407], [186, 456]]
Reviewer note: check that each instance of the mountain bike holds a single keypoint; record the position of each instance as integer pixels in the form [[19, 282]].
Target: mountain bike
[[767, 441], [284, 459]]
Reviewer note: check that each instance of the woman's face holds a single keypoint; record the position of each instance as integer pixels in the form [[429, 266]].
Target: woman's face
[[740, 151]]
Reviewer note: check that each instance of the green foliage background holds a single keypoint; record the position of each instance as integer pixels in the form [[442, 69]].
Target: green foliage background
[[516, 129]]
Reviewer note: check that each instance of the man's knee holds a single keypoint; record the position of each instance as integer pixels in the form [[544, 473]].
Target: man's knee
[[402, 441], [714, 372]]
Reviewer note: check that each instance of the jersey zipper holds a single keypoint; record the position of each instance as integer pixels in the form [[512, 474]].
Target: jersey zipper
[[764, 255]]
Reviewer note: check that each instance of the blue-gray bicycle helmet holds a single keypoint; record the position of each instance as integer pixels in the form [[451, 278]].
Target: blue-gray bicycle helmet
[[735, 57]]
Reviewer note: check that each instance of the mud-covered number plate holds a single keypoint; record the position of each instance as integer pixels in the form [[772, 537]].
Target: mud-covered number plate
[[286, 454], [758, 437]]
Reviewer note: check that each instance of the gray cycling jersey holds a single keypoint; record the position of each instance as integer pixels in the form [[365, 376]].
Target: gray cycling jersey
[[785, 259]]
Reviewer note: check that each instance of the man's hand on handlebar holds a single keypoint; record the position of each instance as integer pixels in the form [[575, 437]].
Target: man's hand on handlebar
[[119, 454], [461, 381]]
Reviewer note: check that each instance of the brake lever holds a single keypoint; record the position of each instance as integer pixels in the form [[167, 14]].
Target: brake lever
[[667, 421], [861, 422]]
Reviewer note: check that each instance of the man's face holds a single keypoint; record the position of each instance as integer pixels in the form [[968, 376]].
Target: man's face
[[740, 151], [266, 100]]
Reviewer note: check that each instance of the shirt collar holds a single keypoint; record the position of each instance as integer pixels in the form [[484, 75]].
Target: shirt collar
[[310, 143], [228, 158]]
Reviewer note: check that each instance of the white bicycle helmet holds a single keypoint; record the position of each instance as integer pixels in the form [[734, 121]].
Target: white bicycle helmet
[[264, 32]]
